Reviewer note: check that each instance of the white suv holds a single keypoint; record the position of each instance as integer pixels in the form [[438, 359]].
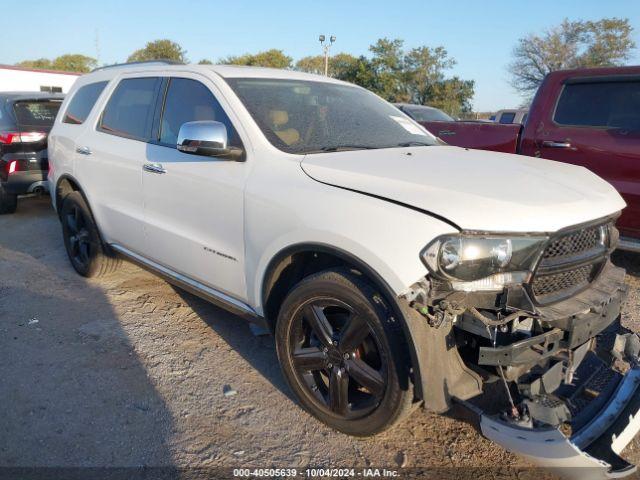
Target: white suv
[[392, 269]]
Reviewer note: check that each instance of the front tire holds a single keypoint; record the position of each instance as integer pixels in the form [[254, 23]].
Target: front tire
[[344, 354], [82, 240], [8, 201]]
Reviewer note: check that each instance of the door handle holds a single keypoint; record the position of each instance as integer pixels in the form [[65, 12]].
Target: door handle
[[443, 133], [83, 150], [552, 144], [154, 168]]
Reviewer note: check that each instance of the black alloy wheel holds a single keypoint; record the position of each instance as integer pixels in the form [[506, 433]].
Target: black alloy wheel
[[343, 353], [337, 356]]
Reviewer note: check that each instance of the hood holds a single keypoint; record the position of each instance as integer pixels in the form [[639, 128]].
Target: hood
[[474, 189]]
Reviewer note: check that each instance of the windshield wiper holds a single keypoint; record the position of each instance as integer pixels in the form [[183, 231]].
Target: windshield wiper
[[340, 148], [414, 144]]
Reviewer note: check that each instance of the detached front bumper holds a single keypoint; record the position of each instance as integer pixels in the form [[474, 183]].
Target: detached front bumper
[[593, 452], [566, 394]]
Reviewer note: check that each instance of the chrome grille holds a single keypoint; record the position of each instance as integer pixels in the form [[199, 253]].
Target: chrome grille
[[570, 262]]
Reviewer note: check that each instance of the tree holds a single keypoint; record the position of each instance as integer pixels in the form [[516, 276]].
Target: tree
[[273, 58], [424, 73], [70, 62], [606, 42], [43, 63], [453, 95], [205, 61], [387, 63], [74, 63], [159, 50], [339, 65]]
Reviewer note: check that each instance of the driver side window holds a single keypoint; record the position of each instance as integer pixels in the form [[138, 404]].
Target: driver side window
[[187, 101]]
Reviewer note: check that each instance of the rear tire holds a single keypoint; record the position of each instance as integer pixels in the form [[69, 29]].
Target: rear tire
[[344, 354], [82, 239], [8, 201]]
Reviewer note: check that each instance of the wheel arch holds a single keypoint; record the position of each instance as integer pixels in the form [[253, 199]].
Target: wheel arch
[[296, 262]]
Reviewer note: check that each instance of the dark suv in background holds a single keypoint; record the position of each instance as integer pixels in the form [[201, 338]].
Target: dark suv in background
[[25, 121]]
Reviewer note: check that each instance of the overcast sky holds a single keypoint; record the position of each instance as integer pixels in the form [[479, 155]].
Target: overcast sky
[[480, 35]]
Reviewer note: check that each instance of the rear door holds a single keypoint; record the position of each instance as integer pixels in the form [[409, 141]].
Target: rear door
[[110, 159], [596, 124]]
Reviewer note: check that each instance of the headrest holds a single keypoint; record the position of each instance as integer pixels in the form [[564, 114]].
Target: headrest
[[278, 117]]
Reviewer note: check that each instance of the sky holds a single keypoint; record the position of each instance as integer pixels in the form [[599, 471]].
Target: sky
[[479, 35]]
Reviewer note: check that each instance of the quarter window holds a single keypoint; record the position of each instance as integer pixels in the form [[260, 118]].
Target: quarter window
[[129, 112], [187, 101], [82, 103], [600, 104], [507, 118]]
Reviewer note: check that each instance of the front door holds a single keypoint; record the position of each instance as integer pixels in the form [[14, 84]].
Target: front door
[[194, 205]]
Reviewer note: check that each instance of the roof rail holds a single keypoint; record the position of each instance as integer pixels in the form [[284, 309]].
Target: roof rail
[[144, 62]]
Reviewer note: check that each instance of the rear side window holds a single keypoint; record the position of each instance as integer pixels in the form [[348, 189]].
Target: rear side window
[[187, 101], [507, 117], [36, 113], [600, 104], [129, 112], [82, 103]]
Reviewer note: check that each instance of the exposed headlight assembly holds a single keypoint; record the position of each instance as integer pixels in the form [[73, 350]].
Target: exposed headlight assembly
[[482, 262]]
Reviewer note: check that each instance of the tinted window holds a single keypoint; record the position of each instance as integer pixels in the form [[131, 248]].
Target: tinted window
[[189, 100], [602, 104], [36, 112], [82, 102], [507, 117], [428, 114], [129, 112], [300, 116]]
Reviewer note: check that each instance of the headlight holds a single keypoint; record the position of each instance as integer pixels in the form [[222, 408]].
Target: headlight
[[482, 262]]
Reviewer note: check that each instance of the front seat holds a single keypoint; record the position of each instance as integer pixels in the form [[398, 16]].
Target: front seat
[[278, 119]]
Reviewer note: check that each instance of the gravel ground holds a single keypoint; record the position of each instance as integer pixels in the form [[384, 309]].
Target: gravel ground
[[128, 371]]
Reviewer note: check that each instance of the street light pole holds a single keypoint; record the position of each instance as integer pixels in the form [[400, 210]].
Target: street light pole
[[326, 47]]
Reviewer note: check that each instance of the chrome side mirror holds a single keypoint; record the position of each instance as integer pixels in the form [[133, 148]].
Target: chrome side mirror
[[208, 138]]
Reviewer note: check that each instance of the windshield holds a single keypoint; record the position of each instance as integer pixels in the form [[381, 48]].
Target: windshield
[[427, 114], [299, 116], [36, 113]]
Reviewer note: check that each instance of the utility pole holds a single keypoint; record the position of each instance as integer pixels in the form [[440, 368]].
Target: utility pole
[[326, 47]]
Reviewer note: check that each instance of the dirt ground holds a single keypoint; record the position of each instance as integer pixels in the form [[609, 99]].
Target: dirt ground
[[129, 372]]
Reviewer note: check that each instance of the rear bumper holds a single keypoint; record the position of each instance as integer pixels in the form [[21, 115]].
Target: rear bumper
[[28, 181]]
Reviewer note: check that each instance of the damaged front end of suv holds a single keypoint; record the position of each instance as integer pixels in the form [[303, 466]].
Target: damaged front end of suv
[[524, 330]]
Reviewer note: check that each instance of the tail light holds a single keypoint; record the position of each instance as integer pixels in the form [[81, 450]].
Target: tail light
[[13, 166], [22, 137]]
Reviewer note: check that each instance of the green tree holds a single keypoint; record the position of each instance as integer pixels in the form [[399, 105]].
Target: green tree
[[43, 63], [387, 64], [273, 58], [74, 63], [205, 61], [453, 95], [424, 73], [576, 44], [159, 50], [339, 65], [70, 62]]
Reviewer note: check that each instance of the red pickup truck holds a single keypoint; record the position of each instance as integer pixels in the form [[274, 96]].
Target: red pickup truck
[[588, 117]]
